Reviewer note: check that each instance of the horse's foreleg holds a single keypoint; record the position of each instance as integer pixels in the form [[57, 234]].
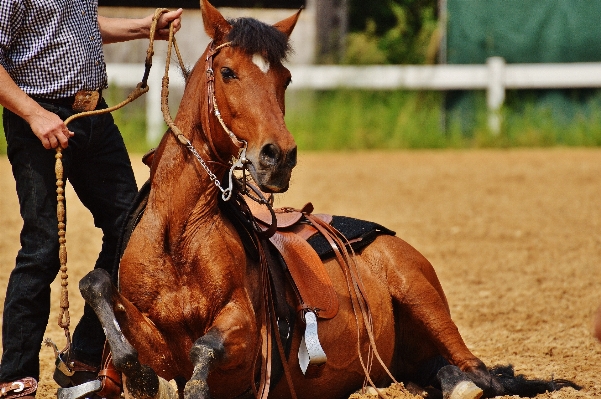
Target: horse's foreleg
[[142, 382], [225, 352], [205, 352]]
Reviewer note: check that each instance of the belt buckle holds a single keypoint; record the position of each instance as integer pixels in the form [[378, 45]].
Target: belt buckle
[[86, 100]]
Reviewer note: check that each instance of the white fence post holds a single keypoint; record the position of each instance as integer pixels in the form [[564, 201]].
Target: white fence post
[[495, 92]]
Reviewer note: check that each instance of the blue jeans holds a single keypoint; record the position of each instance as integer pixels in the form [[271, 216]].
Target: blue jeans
[[98, 167]]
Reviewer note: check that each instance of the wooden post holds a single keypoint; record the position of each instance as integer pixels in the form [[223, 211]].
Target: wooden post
[[332, 27], [495, 93]]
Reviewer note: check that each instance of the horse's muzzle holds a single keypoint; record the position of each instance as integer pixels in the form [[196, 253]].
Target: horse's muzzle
[[275, 168]]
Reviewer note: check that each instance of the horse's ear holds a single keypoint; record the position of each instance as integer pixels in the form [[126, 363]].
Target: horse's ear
[[215, 25], [287, 25]]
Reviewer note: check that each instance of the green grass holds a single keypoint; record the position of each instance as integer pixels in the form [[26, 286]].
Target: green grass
[[358, 120], [353, 120], [350, 119], [131, 120]]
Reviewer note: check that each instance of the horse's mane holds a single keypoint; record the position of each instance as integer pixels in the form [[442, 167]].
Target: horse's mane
[[254, 36]]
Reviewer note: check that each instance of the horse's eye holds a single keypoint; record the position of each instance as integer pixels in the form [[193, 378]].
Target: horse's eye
[[227, 73], [287, 83]]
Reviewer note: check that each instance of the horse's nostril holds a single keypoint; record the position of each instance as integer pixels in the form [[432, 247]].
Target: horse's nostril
[[291, 158], [270, 155]]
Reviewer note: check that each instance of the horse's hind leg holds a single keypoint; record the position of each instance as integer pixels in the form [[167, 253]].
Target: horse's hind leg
[[142, 382], [416, 290]]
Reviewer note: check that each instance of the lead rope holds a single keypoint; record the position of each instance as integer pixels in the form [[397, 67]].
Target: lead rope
[[64, 318]]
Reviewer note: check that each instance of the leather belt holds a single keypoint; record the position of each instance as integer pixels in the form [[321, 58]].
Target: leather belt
[[83, 100]]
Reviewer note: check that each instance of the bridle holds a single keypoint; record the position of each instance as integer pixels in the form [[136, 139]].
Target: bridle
[[238, 163], [212, 107]]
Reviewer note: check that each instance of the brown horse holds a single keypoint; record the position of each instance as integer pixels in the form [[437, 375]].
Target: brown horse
[[190, 304]]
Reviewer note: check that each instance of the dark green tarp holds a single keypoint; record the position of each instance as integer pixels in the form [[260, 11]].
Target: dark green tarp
[[524, 31]]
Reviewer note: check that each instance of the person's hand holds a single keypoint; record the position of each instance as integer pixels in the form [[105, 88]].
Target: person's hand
[[50, 129], [171, 17]]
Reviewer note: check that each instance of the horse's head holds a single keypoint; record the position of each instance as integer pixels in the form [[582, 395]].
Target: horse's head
[[249, 81]]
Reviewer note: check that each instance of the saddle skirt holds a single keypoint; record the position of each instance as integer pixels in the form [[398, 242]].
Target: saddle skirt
[[302, 240]]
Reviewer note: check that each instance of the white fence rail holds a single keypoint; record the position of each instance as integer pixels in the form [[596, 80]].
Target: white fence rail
[[495, 77]]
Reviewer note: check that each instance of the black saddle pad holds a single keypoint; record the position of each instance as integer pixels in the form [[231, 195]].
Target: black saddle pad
[[359, 232]]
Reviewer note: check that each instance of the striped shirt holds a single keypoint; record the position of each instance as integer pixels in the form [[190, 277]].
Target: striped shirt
[[52, 48]]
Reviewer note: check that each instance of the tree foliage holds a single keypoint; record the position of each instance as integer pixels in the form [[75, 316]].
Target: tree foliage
[[392, 32]]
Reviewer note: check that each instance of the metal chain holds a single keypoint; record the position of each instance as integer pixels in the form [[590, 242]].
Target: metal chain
[[238, 164]]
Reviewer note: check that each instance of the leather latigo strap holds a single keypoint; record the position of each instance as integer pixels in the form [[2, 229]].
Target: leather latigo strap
[[76, 365], [16, 389], [110, 377]]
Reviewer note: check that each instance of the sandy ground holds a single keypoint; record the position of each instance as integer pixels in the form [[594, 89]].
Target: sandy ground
[[515, 237]]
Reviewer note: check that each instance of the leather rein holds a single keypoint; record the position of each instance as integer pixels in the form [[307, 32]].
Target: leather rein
[[239, 163]]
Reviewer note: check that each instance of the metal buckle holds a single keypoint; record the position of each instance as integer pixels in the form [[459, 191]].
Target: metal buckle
[[20, 388], [20, 385]]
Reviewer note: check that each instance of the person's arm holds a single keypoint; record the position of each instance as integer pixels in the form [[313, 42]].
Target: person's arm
[[115, 30], [46, 125]]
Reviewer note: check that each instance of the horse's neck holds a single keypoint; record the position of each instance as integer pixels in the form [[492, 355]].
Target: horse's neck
[[180, 182]]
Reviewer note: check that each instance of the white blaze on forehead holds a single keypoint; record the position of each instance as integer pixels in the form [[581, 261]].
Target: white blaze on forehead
[[261, 62]]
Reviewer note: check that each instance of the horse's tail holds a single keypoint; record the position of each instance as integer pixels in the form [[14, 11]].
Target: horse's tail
[[522, 386]]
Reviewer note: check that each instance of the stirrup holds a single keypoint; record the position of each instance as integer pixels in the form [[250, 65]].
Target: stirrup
[[70, 372], [311, 356]]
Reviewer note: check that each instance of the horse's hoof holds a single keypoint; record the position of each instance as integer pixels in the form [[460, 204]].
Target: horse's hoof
[[456, 384], [465, 390]]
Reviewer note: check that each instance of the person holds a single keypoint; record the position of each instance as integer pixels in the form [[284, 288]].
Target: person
[[52, 66]]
